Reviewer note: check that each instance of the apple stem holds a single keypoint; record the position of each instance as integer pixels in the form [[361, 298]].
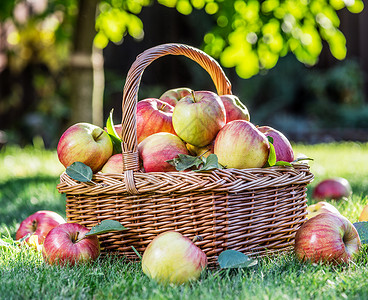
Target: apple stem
[[101, 133], [34, 225], [197, 238], [193, 95]]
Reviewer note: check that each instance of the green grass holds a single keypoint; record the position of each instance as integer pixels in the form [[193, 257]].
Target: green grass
[[28, 181]]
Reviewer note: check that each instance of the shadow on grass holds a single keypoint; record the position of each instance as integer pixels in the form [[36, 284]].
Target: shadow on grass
[[21, 197]]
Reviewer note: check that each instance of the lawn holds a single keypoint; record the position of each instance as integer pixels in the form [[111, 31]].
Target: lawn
[[28, 181]]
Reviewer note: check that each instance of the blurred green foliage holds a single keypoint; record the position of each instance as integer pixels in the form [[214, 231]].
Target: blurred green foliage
[[249, 35]]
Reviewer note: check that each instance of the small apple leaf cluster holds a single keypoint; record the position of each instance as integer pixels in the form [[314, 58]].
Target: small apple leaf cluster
[[196, 163]]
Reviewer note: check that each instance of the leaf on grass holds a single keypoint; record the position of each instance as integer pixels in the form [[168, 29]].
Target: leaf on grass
[[79, 171], [362, 228], [106, 226], [210, 163], [115, 138], [230, 259], [184, 162]]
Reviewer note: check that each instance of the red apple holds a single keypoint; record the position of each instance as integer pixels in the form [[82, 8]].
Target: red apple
[[321, 207], [153, 115], [86, 143], [173, 258], [283, 148], [240, 145], [327, 237], [332, 188], [114, 164], [235, 109], [39, 223], [156, 149], [67, 244], [198, 117], [174, 95]]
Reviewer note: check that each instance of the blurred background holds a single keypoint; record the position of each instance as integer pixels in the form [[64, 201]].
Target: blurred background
[[300, 66]]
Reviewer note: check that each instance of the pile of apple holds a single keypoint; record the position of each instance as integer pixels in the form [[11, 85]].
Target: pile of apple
[[181, 121]]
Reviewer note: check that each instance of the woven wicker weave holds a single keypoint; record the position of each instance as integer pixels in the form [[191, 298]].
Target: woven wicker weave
[[256, 211]]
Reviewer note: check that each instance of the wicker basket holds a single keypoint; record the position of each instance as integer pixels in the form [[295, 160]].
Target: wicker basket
[[255, 211]]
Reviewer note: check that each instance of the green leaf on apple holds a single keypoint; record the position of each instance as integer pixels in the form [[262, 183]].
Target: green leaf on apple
[[283, 163], [106, 226], [79, 171], [362, 228], [115, 138], [210, 163], [231, 259], [272, 156], [184, 162]]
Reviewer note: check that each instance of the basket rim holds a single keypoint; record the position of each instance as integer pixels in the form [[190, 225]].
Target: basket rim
[[225, 180]]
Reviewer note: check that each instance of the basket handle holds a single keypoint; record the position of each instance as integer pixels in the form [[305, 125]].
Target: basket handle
[[130, 92]]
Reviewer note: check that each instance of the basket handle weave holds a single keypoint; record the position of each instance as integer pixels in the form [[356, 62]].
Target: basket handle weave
[[130, 95]]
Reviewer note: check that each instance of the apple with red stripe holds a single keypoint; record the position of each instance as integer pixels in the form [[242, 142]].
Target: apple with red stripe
[[153, 116], [85, 143], [39, 224], [174, 95], [327, 237]]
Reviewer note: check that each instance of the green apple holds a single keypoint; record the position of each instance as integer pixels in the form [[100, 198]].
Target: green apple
[[240, 145], [197, 118], [173, 258]]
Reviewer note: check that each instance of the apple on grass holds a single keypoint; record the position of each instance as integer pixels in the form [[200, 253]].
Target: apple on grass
[[283, 149], [155, 150], [67, 244], [364, 214], [197, 118], [173, 258], [240, 145], [235, 109], [153, 115], [327, 237], [38, 225], [85, 143], [320, 207], [332, 188], [174, 95]]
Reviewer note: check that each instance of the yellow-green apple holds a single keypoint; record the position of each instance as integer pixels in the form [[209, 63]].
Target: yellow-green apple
[[198, 117], [68, 244], [240, 145], [153, 115], [364, 214], [39, 224], [320, 207], [283, 149], [174, 95], [332, 188], [235, 109], [114, 164], [85, 143], [200, 151], [173, 258], [327, 237], [155, 150]]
